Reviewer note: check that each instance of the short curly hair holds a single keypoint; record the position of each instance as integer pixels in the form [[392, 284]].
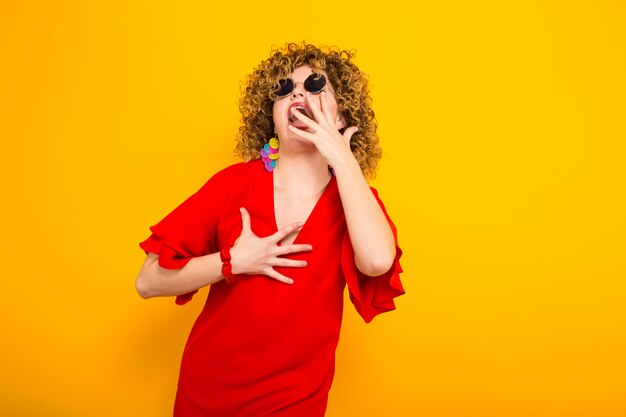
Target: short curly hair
[[351, 91]]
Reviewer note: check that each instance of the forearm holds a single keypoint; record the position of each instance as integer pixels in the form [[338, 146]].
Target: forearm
[[370, 233], [155, 281]]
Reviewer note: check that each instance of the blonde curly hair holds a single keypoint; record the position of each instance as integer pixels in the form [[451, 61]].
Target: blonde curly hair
[[351, 91]]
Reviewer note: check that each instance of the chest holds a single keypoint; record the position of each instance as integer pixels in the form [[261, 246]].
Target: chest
[[289, 210], [272, 209]]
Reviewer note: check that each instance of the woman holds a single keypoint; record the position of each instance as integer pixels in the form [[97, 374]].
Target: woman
[[278, 237]]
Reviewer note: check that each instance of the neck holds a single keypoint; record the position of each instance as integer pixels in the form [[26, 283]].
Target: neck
[[301, 175]]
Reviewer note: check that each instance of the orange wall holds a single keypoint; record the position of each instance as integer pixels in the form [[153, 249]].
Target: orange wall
[[504, 168]]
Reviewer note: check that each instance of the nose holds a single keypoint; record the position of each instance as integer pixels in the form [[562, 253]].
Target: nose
[[298, 90]]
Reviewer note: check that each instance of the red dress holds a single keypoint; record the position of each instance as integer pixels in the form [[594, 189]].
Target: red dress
[[260, 347]]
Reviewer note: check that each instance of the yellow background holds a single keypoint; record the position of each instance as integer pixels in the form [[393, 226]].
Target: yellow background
[[504, 168]]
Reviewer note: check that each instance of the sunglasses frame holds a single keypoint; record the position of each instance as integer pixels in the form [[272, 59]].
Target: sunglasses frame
[[316, 76]]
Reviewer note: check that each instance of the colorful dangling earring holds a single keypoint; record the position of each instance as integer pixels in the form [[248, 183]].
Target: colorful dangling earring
[[269, 154]]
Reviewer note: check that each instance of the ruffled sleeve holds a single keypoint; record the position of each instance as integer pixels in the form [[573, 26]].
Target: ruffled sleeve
[[190, 230], [372, 295]]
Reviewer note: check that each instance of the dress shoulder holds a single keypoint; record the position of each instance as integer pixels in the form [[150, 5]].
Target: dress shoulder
[[227, 176], [190, 230]]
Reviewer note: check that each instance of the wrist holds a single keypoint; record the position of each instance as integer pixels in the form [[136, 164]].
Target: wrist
[[347, 165]]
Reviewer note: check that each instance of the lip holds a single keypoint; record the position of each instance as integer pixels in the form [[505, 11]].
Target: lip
[[300, 104]]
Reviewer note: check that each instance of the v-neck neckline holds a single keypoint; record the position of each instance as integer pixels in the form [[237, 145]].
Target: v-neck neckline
[[315, 209]]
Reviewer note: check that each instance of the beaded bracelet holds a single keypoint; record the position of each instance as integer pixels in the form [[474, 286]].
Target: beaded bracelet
[[227, 268]]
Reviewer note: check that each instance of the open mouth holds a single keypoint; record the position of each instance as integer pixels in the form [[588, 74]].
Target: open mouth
[[302, 108]]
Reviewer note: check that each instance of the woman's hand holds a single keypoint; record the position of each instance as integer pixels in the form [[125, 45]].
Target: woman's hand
[[334, 146], [255, 255], [374, 245]]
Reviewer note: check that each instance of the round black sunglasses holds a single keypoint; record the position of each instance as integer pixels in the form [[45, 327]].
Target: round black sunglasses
[[314, 83]]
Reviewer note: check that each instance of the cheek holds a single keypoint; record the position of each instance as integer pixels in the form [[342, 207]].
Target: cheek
[[277, 113], [331, 104]]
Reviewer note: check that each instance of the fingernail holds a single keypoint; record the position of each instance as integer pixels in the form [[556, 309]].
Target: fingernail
[[290, 281]]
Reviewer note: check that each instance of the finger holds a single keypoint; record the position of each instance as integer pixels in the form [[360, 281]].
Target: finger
[[325, 109], [304, 135], [245, 220], [272, 273], [310, 123], [347, 134], [319, 115], [284, 250], [288, 262], [282, 233]]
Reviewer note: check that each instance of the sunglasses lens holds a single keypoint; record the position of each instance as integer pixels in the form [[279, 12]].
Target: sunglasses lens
[[286, 87], [315, 83]]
